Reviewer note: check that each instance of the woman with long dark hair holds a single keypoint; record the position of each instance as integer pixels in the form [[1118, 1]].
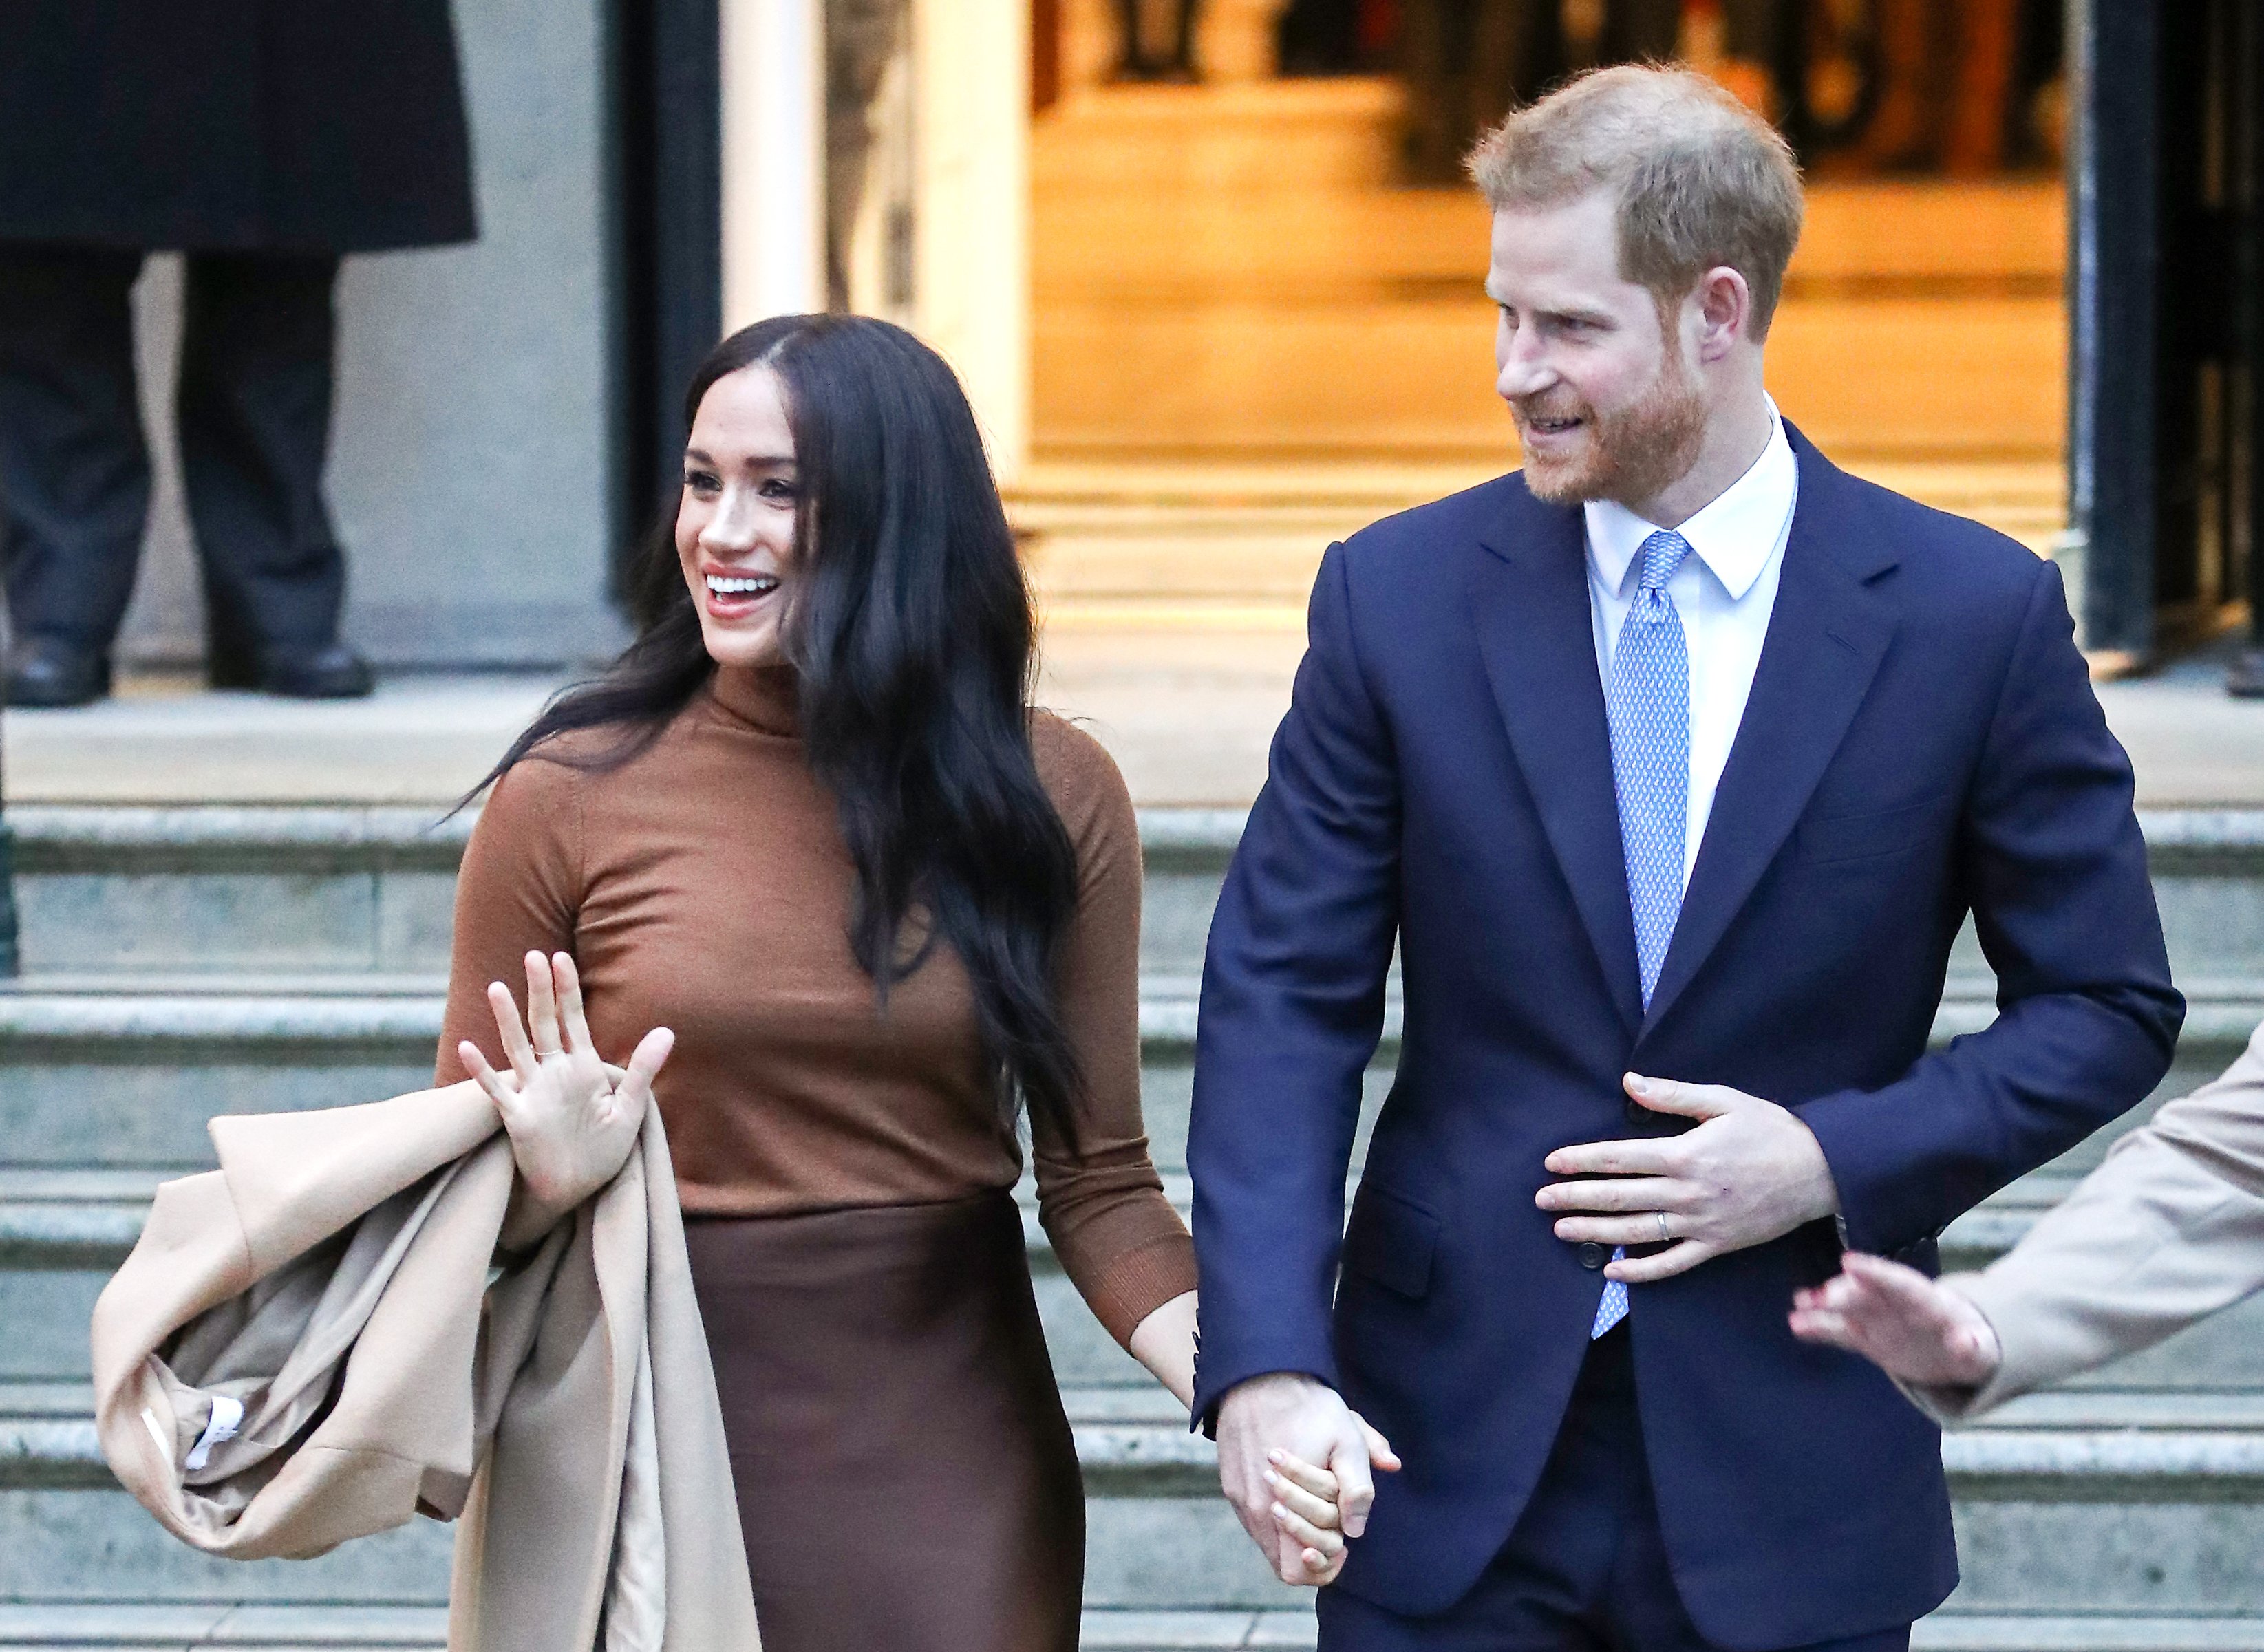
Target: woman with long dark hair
[[811, 822]]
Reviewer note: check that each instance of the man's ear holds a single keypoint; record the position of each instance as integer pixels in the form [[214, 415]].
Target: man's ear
[[1725, 311]]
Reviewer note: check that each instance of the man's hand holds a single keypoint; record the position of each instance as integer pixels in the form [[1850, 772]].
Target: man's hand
[[1750, 1173], [1278, 1437], [1911, 1328]]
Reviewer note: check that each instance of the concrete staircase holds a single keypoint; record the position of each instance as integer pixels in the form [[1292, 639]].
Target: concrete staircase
[[1136, 545], [1231, 271], [183, 962]]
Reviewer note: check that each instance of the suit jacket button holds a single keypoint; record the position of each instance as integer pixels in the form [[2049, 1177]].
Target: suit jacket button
[[1593, 1256], [1636, 1113]]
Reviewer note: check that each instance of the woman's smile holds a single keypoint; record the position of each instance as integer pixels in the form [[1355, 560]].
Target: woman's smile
[[737, 594]]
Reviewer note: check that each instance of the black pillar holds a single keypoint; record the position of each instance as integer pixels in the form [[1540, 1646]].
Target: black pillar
[[669, 236], [2166, 467], [11, 955], [2114, 249]]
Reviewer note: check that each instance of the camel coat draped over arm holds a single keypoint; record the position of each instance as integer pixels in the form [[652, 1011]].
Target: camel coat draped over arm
[[317, 1341]]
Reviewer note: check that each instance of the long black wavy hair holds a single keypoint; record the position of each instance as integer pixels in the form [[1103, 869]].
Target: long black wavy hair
[[910, 633]]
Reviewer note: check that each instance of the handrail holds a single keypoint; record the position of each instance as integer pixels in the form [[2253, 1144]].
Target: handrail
[[11, 953]]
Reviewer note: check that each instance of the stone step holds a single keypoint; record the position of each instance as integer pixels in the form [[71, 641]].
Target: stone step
[[122, 1069], [2132, 1506], [99, 1627], [62, 1232], [1953, 1631], [1186, 538], [114, 1074], [111, 1628], [1134, 1442], [117, 1071], [119, 1628], [327, 892]]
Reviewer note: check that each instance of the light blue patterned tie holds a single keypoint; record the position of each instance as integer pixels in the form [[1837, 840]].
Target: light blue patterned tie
[[1650, 708]]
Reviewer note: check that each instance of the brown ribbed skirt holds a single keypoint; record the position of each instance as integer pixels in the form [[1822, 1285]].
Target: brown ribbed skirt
[[907, 1481]]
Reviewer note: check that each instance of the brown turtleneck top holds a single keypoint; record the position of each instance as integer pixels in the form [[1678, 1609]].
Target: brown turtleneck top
[[703, 886]]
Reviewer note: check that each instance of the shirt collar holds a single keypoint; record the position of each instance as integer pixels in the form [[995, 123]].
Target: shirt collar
[[1735, 535]]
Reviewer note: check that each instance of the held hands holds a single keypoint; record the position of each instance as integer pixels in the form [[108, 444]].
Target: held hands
[[1750, 1173], [1911, 1328], [571, 1125], [1294, 1460]]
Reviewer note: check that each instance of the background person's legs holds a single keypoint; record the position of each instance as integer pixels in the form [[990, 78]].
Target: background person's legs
[[1978, 128], [1641, 30], [256, 335], [1159, 40], [74, 467]]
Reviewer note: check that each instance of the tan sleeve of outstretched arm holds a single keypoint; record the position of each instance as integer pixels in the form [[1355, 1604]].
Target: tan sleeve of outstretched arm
[[2166, 1231]]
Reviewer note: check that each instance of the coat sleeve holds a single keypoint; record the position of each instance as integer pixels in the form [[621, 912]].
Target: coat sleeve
[[2055, 867], [1293, 999], [2167, 1232]]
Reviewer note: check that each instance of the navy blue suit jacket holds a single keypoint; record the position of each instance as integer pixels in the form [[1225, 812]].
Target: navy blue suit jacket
[[1921, 740]]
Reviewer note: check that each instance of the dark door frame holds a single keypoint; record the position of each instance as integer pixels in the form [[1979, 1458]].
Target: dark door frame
[[2166, 356], [667, 242]]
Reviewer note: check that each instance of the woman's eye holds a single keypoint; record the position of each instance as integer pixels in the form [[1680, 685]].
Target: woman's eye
[[700, 482], [776, 488]]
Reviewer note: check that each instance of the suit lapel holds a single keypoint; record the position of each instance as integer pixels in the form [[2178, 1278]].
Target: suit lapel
[[1529, 603], [1826, 636]]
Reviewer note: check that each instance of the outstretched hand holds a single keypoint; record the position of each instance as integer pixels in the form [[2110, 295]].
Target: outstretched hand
[[572, 1125], [1916, 1329], [1748, 1173]]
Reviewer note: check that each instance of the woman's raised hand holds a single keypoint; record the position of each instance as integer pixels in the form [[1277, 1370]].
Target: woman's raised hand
[[1912, 1328], [572, 1127]]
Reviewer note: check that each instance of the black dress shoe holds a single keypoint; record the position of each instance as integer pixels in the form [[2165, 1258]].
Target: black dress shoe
[[333, 671], [44, 671]]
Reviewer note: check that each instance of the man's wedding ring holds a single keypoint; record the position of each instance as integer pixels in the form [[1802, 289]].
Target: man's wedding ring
[[1661, 1215]]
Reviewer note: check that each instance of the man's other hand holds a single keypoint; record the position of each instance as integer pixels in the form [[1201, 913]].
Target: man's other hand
[[1750, 1173], [1277, 1434], [1912, 1328]]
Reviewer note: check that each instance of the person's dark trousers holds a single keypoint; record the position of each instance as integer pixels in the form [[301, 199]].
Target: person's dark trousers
[[258, 334], [1467, 63], [1146, 56], [74, 472], [253, 414], [1585, 1568]]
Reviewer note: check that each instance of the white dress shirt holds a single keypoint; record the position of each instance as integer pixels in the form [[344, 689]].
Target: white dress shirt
[[1724, 591]]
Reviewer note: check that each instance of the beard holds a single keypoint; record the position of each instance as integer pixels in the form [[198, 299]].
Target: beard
[[1632, 453]]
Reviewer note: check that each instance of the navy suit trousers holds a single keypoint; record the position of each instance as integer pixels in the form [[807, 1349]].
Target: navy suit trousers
[[1585, 1568]]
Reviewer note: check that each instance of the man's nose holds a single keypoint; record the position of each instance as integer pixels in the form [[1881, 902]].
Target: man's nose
[[1524, 369]]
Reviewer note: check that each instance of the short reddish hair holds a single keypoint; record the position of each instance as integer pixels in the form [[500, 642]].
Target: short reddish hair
[[1702, 181]]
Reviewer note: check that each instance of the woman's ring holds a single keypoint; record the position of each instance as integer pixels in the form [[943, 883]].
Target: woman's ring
[[1662, 1224]]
